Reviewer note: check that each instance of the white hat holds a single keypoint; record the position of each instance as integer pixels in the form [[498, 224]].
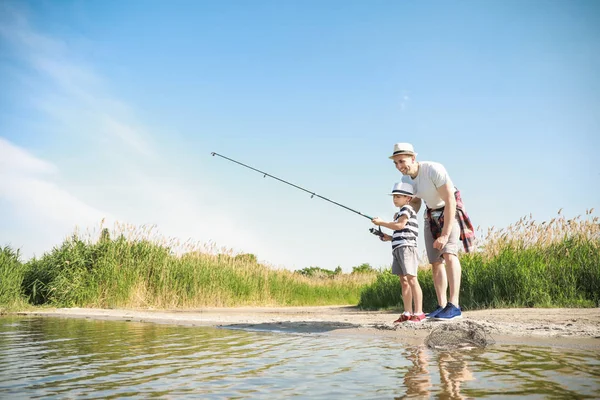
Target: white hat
[[403, 148], [403, 188]]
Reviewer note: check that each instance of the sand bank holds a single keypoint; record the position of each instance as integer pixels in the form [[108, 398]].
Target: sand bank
[[549, 327]]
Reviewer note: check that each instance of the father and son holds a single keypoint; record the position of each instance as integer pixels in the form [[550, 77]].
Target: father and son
[[446, 227]]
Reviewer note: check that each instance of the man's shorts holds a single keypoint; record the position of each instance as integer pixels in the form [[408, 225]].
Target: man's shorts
[[406, 260], [452, 246]]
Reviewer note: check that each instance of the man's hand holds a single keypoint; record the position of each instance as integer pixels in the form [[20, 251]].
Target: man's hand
[[377, 221], [440, 242]]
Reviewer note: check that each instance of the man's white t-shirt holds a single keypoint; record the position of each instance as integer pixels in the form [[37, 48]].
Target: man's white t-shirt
[[431, 176]]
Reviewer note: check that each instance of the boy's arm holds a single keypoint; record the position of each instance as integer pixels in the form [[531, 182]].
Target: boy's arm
[[396, 226]]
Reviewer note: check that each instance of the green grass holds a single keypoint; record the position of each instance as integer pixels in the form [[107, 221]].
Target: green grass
[[554, 264], [529, 264], [11, 279], [561, 274], [130, 273]]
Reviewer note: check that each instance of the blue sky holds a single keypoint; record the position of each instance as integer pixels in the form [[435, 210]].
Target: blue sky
[[110, 109]]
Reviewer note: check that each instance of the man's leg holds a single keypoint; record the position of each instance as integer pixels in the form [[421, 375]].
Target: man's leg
[[453, 268], [440, 282], [453, 273]]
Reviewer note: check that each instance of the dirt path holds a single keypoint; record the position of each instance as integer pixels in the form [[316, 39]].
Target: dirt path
[[554, 327]]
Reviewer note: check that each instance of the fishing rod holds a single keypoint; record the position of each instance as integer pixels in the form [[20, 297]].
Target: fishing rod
[[312, 194]]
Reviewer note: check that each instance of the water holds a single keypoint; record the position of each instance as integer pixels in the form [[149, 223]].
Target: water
[[73, 358]]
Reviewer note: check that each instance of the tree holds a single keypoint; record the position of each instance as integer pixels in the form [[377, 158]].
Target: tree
[[364, 268], [316, 272]]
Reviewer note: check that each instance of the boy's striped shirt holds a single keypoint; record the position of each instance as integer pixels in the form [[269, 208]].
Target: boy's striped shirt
[[408, 235]]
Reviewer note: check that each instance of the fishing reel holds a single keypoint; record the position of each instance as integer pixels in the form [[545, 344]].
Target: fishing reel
[[377, 232]]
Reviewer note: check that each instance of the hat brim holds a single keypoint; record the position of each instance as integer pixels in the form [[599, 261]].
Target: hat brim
[[402, 153], [403, 194]]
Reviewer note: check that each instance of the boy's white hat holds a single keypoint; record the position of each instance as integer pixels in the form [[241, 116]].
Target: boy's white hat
[[403, 188], [403, 148]]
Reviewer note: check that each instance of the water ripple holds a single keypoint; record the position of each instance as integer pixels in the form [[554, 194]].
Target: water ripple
[[54, 357]]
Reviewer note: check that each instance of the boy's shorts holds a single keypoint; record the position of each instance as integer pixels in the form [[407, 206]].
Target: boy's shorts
[[451, 247], [405, 260]]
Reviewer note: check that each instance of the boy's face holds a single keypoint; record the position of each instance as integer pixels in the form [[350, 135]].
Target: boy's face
[[401, 200]]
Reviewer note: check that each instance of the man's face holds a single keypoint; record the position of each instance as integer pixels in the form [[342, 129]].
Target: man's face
[[404, 163]]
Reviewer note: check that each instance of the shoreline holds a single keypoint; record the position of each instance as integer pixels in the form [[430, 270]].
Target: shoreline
[[555, 327]]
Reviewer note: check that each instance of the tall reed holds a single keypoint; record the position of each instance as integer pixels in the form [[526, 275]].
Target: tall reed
[[134, 268], [11, 278]]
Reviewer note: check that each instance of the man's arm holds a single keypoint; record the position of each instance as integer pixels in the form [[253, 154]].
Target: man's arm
[[415, 203], [447, 194]]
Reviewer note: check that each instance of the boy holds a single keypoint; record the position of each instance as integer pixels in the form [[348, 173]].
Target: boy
[[404, 251]]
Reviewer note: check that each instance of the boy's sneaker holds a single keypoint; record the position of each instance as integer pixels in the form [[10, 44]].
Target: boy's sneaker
[[435, 312], [449, 312], [417, 318], [403, 318]]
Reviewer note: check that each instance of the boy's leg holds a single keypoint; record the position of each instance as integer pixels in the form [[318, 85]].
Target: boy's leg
[[417, 293], [397, 269], [411, 268], [405, 289], [407, 295]]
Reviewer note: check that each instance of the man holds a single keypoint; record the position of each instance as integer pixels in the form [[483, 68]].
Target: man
[[446, 225]]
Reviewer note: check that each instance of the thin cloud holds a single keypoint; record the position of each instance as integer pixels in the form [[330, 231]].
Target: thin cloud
[[74, 81], [27, 182], [404, 101], [16, 160], [117, 185]]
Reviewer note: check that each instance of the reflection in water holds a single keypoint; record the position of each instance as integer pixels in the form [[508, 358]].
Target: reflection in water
[[451, 368], [418, 378], [502, 371], [45, 357], [453, 372]]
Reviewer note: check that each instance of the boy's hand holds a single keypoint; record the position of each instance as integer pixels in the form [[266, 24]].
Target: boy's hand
[[377, 221], [385, 238]]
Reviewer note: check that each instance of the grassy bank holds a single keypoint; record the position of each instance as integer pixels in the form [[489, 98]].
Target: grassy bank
[[132, 271], [529, 264]]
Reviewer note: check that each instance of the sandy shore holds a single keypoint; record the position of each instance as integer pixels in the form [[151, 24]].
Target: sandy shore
[[549, 327]]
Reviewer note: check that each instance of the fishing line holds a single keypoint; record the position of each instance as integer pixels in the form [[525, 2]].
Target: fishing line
[[312, 194]]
